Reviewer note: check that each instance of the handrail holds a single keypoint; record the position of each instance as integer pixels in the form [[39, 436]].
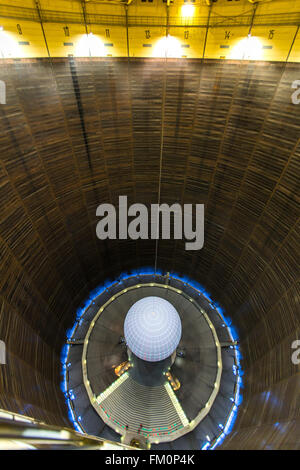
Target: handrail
[[23, 432], [52, 16]]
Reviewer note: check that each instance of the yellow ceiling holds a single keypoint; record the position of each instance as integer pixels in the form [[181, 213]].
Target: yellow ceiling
[[59, 28]]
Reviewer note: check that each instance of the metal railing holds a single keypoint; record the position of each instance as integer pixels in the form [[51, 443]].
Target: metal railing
[[67, 17], [22, 432]]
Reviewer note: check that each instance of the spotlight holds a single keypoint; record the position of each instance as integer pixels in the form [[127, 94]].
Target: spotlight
[[167, 46], [249, 48], [187, 11], [90, 45]]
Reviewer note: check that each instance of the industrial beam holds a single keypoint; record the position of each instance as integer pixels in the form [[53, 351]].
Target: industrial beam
[[38, 7], [206, 31]]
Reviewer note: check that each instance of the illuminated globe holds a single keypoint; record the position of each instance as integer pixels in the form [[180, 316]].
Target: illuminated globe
[[152, 329]]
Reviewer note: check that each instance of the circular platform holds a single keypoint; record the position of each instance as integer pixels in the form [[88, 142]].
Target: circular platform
[[204, 366], [122, 404]]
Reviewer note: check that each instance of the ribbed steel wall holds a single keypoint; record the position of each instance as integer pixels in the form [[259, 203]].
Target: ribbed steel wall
[[75, 133]]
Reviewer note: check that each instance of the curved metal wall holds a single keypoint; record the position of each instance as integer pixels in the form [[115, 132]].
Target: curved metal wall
[[76, 133]]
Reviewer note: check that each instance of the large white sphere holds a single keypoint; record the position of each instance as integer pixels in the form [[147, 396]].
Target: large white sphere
[[152, 329]]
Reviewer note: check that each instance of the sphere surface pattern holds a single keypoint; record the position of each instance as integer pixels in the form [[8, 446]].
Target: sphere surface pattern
[[152, 329]]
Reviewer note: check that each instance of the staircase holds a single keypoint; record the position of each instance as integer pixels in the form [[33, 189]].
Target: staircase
[[153, 412]]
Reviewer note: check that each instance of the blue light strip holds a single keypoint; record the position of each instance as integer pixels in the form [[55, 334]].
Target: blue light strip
[[186, 280], [63, 359], [206, 446], [73, 418], [234, 337], [233, 414]]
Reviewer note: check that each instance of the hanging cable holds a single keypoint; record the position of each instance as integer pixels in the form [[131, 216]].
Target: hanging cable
[[162, 132]]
